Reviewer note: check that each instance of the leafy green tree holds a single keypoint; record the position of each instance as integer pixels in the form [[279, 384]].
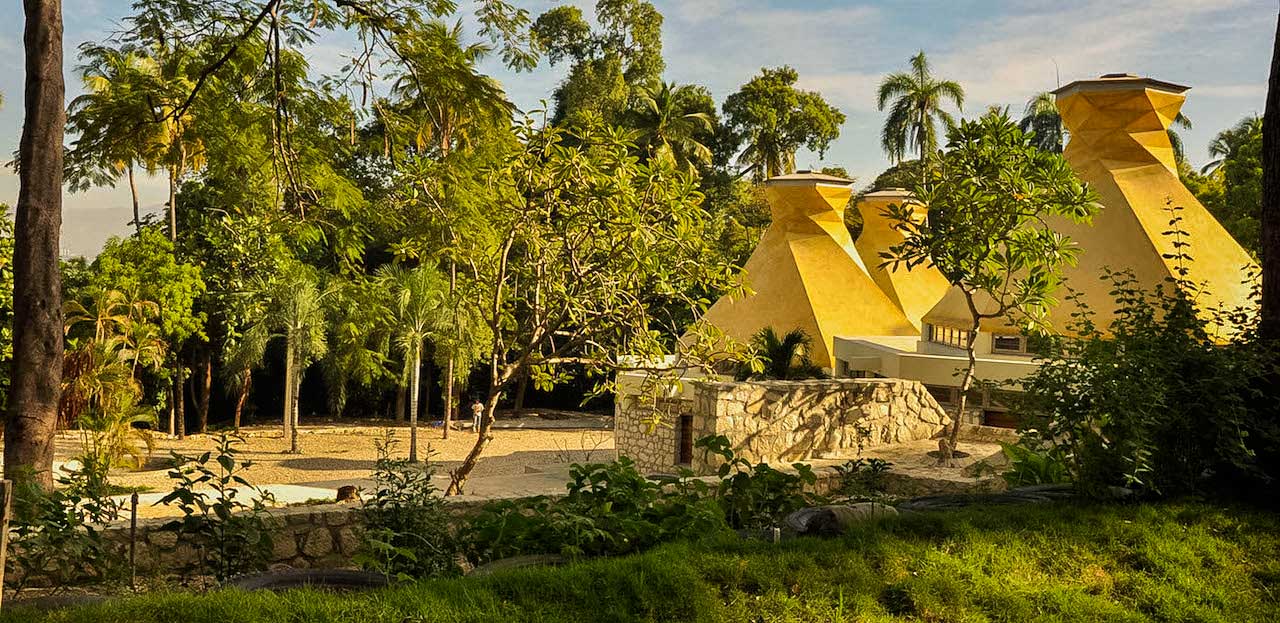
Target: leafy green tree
[[296, 313], [1041, 117], [988, 197], [770, 119], [609, 66], [416, 297], [583, 242], [442, 98], [780, 357], [1230, 186], [917, 99], [672, 121]]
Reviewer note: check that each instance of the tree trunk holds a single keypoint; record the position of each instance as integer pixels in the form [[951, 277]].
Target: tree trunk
[[137, 209], [966, 384], [426, 392], [448, 396], [204, 390], [288, 392], [413, 408], [400, 403], [35, 384], [244, 396], [520, 391], [458, 477], [179, 400], [294, 448], [1269, 325]]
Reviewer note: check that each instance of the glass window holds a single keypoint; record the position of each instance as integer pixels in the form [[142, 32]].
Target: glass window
[[1009, 343]]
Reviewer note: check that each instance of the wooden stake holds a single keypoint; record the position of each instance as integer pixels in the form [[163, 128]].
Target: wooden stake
[[133, 541]]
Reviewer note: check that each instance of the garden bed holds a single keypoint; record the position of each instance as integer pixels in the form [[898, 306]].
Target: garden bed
[[1169, 561]]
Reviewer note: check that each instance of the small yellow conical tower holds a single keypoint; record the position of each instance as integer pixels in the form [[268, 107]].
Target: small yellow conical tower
[[1120, 145], [806, 274], [914, 291]]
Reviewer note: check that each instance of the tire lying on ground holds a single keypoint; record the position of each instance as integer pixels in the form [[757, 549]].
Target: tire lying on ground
[[1033, 494], [343, 580]]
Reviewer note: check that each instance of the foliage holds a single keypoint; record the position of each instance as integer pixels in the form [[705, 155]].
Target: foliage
[[610, 65], [1032, 465], [1165, 562], [1041, 120], [917, 98], [610, 509], [406, 526], [756, 496], [582, 251], [771, 119], [862, 476], [230, 536], [674, 122], [780, 358], [1159, 397], [988, 197], [58, 535], [146, 266], [6, 303], [1230, 186]]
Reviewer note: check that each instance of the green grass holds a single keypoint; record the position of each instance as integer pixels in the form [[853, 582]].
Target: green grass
[[1164, 562]]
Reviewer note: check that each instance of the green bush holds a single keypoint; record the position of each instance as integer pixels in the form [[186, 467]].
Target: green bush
[[406, 525], [1160, 397], [229, 535], [756, 496]]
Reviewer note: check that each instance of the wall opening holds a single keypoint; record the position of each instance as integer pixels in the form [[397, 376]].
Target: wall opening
[[685, 452]]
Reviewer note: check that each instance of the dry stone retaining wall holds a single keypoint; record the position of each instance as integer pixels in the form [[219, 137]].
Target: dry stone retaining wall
[[779, 421]]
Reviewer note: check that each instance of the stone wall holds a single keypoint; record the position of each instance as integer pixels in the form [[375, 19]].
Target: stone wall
[[779, 421]]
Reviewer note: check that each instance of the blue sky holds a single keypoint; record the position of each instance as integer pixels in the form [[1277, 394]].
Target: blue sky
[[1000, 51]]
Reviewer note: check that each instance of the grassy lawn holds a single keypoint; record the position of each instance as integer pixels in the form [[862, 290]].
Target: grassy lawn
[[1163, 562]]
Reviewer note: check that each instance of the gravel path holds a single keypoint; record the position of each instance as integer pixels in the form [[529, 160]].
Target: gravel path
[[335, 452]]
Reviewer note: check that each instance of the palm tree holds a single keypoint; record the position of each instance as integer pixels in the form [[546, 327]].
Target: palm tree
[[1175, 141], [1228, 143], [917, 99], [296, 312], [1041, 117], [112, 139], [785, 357], [668, 129], [242, 353], [416, 296]]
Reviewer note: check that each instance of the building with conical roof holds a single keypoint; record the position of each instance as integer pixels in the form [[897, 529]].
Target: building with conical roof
[[806, 273]]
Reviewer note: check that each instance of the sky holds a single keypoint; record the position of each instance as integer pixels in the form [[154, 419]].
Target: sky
[[1001, 51]]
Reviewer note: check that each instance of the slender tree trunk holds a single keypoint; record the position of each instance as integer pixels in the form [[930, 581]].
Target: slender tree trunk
[[35, 385], [965, 384], [458, 477], [426, 392], [401, 394], [294, 448], [206, 391], [137, 209], [244, 396], [413, 408], [179, 400], [518, 407], [448, 367], [288, 392], [173, 204], [1269, 325], [173, 419]]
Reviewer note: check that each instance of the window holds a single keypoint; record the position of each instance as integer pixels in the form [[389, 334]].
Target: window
[[949, 336], [1008, 344], [685, 441], [941, 393]]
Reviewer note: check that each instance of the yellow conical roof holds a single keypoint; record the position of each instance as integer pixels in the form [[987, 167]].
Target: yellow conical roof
[[915, 290], [806, 274], [1120, 146]]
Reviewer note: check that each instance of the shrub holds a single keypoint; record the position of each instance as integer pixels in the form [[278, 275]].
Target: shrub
[[756, 496], [1158, 399], [1033, 464], [57, 534], [229, 535], [860, 477], [406, 527]]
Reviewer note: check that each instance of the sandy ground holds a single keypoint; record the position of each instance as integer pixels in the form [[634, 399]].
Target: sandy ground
[[340, 453]]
